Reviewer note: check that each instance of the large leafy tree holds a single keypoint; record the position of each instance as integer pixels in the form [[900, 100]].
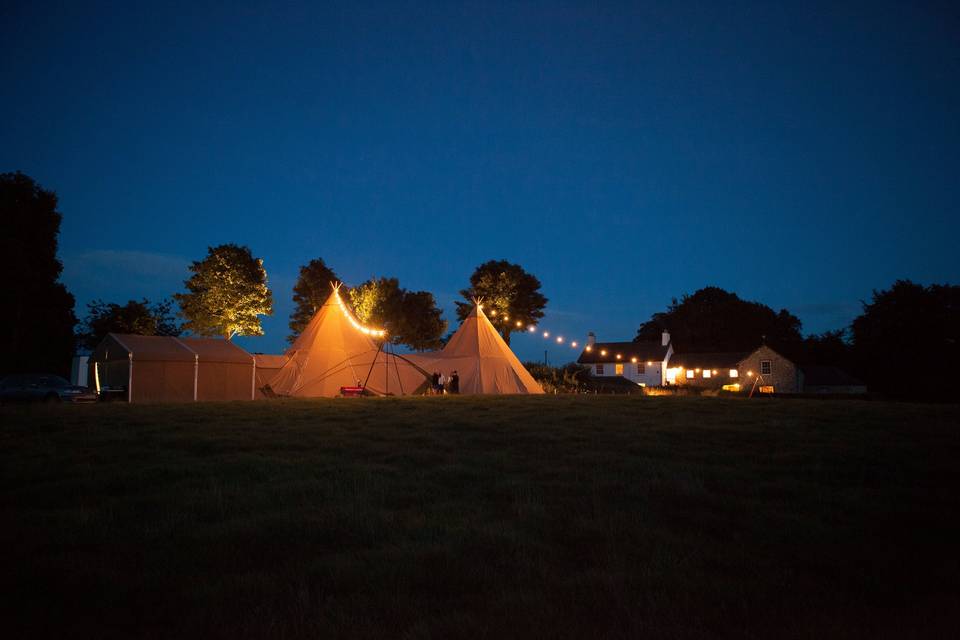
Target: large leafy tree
[[139, 317], [907, 340], [713, 319], [227, 294], [410, 317], [309, 294], [421, 321], [36, 310], [511, 296]]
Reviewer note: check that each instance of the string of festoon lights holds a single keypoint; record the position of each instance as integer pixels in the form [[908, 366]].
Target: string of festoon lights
[[533, 329], [376, 333]]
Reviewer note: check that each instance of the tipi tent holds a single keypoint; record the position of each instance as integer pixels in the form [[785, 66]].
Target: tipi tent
[[336, 351], [481, 358]]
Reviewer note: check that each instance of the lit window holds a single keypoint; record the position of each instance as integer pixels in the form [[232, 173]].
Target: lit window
[[766, 389], [734, 373], [765, 368], [706, 373], [599, 369], [641, 369], [618, 369], [690, 374]]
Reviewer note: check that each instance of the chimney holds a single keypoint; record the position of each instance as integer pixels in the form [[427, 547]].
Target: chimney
[[591, 339], [665, 338]]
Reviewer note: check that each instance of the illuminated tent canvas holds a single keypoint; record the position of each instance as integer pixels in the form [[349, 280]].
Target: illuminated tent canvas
[[336, 351], [267, 367], [481, 358]]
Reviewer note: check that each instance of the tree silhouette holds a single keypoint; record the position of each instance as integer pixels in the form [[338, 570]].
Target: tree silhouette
[[36, 310], [905, 343], [716, 320], [141, 318], [309, 294]]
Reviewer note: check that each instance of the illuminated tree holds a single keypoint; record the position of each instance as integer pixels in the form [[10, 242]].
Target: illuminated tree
[[36, 310], [309, 294], [511, 296], [410, 317], [226, 294], [140, 318]]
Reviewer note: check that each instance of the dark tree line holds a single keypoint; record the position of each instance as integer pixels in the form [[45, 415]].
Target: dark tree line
[[36, 310]]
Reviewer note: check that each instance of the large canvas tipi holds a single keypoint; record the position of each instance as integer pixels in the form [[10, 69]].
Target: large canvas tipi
[[481, 358], [336, 351]]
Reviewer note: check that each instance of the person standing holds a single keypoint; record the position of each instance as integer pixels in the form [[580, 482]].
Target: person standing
[[443, 382], [454, 382]]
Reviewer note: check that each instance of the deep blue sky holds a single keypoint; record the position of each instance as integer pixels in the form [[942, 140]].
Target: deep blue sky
[[799, 155]]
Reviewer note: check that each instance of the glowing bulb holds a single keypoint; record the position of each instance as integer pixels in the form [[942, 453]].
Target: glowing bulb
[[573, 344], [649, 363], [519, 324], [633, 359], [603, 352], [546, 334], [749, 374], [532, 329], [559, 339], [618, 356], [714, 372], [505, 318], [493, 312], [589, 348]]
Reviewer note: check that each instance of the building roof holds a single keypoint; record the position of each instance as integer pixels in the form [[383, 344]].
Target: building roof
[[708, 360], [827, 376], [642, 351]]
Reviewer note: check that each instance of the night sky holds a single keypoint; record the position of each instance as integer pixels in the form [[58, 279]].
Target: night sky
[[798, 155]]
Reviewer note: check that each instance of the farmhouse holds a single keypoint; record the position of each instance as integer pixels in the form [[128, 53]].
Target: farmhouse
[[763, 367], [644, 363]]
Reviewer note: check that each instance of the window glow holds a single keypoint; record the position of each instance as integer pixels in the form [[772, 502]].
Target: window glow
[[618, 369], [734, 373], [690, 374], [706, 373]]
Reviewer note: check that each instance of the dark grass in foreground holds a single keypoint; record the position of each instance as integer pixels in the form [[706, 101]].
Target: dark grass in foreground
[[481, 517]]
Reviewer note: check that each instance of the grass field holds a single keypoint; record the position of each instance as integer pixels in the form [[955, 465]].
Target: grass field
[[567, 517]]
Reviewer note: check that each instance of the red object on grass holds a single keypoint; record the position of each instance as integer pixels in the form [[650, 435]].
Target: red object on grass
[[351, 392]]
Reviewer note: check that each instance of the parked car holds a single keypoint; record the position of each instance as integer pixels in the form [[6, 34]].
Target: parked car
[[43, 388]]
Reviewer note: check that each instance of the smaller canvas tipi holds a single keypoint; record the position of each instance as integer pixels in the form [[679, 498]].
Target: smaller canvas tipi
[[336, 351], [481, 358]]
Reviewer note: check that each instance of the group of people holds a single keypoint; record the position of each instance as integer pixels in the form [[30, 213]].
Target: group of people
[[442, 384]]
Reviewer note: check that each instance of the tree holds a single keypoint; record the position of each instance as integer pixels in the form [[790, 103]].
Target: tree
[[36, 310], [309, 294], [226, 294], [905, 343], [141, 318], [828, 348], [421, 321], [716, 320], [377, 302], [511, 296], [410, 317]]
